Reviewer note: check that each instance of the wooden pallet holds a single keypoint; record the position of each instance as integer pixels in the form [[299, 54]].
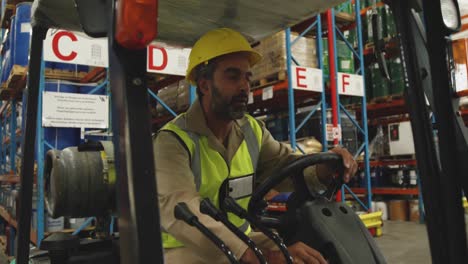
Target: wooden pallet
[[343, 18], [7, 94], [269, 80], [64, 75], [387, 98], [17, 79]]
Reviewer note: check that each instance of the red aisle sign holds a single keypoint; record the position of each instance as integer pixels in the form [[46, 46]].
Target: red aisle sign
[[75, 48], [350, 84], [167, 60], [305, 78]]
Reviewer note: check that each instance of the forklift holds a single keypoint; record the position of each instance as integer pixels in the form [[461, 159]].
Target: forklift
[[131, 25]]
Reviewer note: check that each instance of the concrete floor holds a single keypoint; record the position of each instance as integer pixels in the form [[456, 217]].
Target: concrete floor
[[401, 243], [404, 242]]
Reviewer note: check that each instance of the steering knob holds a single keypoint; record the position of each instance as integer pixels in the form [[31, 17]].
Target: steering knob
[[232, 206]]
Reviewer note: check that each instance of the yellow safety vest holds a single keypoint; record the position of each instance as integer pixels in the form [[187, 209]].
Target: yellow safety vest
[[211, 170]]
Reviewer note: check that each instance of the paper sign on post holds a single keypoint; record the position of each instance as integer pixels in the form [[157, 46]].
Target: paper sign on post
[[350, 84], [333, 132], [308, 79], [167, 60], [75, 48], [75, 110], [267, 93], [329, 133]]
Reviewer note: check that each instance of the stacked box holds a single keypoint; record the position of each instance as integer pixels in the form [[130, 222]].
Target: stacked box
[[351, 37], [344, 55], [368, 79], [390, 26], [273, 50], [364, 3], [386, 19], [395, 68], [380, 86]]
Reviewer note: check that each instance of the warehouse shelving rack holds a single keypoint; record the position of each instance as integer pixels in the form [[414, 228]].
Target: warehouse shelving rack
[[336, 105], [43, 145], [9, 138]]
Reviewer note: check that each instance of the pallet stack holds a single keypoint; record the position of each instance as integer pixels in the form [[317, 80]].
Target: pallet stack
[[273, 66]]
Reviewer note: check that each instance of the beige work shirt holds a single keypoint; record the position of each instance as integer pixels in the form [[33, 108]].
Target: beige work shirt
[[175, 183]]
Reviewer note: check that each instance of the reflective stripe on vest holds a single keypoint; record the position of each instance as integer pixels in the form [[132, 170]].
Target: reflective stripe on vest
[[243, 163]]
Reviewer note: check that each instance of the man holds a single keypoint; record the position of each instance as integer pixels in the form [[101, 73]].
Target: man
[[203, 152]]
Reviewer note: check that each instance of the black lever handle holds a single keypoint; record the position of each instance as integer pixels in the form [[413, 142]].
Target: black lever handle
[[232, 206], [182, 212], [208, 208]]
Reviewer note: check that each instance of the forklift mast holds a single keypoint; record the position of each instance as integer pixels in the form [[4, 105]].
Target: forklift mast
[[429, 93]]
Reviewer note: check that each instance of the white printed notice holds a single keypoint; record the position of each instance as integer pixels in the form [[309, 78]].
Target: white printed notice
[[75, 110]]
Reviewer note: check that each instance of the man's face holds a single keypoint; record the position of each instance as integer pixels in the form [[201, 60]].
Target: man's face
[[230, 87]]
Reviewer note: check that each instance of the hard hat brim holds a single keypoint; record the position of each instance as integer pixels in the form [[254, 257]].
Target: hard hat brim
[[253, 56]]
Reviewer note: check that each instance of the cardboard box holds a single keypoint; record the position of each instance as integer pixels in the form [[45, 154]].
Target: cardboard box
[[398, 210], [273, 49]]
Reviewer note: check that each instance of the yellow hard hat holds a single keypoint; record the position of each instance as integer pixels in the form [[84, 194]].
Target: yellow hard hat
[[215, 43]]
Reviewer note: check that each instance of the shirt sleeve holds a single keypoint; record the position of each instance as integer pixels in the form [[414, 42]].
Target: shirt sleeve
[[275, 155], [175, 183]]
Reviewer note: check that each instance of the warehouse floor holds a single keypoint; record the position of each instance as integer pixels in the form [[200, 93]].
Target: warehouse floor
[[404, 242], [401, 243]]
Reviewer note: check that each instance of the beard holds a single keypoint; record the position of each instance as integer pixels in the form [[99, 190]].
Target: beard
[[226, 109]]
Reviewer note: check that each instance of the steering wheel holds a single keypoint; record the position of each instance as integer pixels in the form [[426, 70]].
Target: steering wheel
[[295, 169]]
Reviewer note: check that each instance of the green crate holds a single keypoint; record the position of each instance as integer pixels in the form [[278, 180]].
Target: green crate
[[351, 37], [390, 30], [380, 86], [344, 54], [397, 84], [368, 33], [364, 3], [368, 79]]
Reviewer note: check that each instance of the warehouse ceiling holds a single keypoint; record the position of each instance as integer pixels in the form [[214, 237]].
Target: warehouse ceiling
[[181, 22]]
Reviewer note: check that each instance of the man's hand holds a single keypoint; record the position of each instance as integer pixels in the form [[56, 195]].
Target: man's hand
[[249, 257], [326, 173], [301, 253], [349, 163]]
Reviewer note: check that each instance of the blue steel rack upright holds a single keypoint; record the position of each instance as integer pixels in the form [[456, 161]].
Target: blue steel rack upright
[[291, 105], [359, 54], [9, 140]]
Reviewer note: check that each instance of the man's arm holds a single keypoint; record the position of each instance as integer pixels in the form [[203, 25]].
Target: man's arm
[[275, 155], [176, 184]]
